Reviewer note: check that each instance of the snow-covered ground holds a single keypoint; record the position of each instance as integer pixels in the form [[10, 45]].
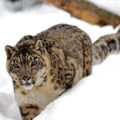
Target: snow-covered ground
[[96, 97]]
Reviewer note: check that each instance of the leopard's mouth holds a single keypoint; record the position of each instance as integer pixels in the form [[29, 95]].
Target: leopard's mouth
[[28, 85]]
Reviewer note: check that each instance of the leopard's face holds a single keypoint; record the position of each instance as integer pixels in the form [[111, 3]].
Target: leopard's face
[[27, 67]]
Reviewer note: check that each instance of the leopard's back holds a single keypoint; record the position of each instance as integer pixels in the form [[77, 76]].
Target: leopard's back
[[74, 43]]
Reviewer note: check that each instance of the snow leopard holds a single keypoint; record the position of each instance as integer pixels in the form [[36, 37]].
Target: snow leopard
[[45, 65]]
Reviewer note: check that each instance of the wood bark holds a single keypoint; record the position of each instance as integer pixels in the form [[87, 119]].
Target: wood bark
[[88, 11]]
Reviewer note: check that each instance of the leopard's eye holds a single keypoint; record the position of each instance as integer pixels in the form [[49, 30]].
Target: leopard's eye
[[16, 66], [34, 63]]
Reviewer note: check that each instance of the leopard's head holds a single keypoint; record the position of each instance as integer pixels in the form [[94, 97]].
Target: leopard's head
[[27, 63]]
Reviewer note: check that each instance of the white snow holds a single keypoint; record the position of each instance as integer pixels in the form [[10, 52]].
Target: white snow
[[96, 97], [110, 5]]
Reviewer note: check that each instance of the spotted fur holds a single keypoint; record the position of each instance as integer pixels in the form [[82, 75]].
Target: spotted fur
[[104, 46], [44, 66], [28, 111]]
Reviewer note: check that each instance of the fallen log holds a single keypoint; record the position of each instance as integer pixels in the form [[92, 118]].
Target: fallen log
[[88, 11]]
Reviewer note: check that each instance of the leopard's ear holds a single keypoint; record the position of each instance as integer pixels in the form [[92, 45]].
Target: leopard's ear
[[9, 51], [39, 46]]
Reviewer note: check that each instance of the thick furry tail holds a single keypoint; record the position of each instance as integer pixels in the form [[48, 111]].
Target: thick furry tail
[[104, 46]]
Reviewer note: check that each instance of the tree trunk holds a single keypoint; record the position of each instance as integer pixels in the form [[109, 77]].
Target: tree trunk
[[87, 11]]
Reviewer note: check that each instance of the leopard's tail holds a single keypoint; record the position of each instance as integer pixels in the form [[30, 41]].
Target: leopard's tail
[[104, 46]]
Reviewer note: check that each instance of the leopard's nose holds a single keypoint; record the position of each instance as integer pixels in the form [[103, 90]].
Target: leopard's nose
[[26, 78]]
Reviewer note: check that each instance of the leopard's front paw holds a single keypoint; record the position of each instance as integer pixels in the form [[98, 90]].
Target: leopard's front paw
[[29, 111]]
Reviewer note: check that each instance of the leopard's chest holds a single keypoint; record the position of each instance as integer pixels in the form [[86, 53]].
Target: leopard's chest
[[40, 95]]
